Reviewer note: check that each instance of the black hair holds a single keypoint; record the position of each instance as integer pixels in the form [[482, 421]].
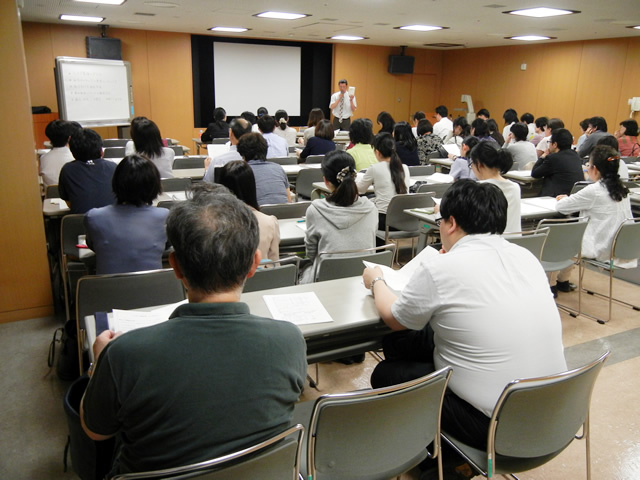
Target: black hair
[[479, 128], [325, 130], [384, 143], [607, 161], [492, 156], [442, 111], [215, 237], [59, 131], [240, 126], [238, 177], [584, 124], [562, 137], [599, 122], [280, 116], [136, 181], [424, 126], [339, 168], [419, 115], [262, 111], [610, 141], [146, 137], [85, 144], [555, 123], [266, 123], [492, 125], [542, 122], [343, 80], [484, 112], [360, 131], [252, 146], [631, 127], [403, 135], [526, 118], [386, 121], [315, 115], [470, 142], [249, 117], [520, 131], [463, 124], [478, 207], [219, 114], [510, 116]]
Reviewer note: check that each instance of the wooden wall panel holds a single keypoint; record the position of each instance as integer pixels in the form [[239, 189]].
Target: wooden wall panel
[[630, 85], [25, 290]]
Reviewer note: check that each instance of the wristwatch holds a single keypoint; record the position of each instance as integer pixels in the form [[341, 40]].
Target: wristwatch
[[373, 282], [90, 370]]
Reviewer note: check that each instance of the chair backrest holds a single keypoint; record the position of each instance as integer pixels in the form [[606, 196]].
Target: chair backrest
[[168, 204], [376, 434], [540, 416], [219, 141], [274, 274], [305, 179], [396, 218], [103, 293], [188, 162], [115, 142], [286, 210], [70, 228], [177, 149], [419, 170], [277, 458], [579, 186], [175, 184], [564, 240], [114, 152], [532, 240], [52, 191], [626, 243], [283, 160], [437, 189], [343, 264], [314, 159]]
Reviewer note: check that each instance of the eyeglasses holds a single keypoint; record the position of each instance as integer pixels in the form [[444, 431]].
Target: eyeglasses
[[438, 220]]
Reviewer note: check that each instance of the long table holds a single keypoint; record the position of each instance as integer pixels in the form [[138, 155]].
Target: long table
[[356, 326]]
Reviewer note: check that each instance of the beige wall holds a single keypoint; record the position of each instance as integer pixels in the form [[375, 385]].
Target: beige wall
[[25, 290]]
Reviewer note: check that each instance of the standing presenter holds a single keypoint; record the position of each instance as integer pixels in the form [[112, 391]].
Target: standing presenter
[[343, 105]]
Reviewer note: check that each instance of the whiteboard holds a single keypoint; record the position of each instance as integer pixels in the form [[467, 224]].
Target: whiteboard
[[94, 92]]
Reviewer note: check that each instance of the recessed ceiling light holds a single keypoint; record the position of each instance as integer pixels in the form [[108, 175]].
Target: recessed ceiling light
[[530, 38], [80, 18], [346, 37], [281, 15], [419, 28], [541, 12], [229, 29], [105, 2]]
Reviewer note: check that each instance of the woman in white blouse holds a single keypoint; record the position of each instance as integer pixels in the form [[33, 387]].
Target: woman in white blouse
[[283, 129]]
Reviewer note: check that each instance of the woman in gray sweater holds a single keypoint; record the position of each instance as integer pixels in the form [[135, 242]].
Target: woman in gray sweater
[[343, 220]]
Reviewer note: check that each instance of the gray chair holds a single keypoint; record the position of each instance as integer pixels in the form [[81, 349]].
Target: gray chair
[[103, 293], [276, 458], [168, 204], [532, 240], [114, 152], [293, 148], [188, 162], [314, 159], [286, 210], [305, 180], [219, 141], [177, 149], [274, 274], [283, 160], [534, 420], [373, 434], [348, 263], [52, 191], [115, 142], [421, 170], [625, 245], [437, 189], [71, 227], [406, 226], [579, 186], [175, 184]]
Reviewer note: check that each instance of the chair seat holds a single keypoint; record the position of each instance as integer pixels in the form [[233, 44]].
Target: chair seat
[[397, 234], [556, 266]]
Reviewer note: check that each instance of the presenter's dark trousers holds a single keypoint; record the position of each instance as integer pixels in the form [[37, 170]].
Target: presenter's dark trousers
[[343, 124], [409, 355]]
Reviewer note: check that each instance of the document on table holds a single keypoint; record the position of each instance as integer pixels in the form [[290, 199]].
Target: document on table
[[452, 148], [302, 225], [398, 279], [297, 308], [127, 320]]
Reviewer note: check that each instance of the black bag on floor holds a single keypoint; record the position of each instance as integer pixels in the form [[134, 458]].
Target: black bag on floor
[[67, 367]]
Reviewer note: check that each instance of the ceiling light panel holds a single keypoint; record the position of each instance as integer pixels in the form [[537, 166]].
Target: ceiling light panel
[[541, 12], [281, 15], [80, 18]]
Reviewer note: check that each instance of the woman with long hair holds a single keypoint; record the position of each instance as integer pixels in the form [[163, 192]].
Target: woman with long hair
[[386, 122], [219, 128], [315, 115], [238, 177], [283, 129], [489, 162], [389, 176], [627, 135], [322, 143], [148, 142], [406, 144], [343, 220]]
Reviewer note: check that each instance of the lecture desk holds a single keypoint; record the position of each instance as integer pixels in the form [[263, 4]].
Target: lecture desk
[[442, 162], [435, 178], [356, 326], [192, 173]]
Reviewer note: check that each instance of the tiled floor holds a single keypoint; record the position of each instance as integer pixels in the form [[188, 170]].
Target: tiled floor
[[33, 426]]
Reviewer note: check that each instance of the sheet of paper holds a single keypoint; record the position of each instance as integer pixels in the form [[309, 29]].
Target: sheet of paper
[[452, 148], [302, 225], [544, 202], [297, 308], [127, 320], [213, 150], [398, 279], [440, 178]]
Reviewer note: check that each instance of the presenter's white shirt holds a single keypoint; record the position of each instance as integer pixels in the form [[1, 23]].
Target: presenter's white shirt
[[346, 106], [493, 315]]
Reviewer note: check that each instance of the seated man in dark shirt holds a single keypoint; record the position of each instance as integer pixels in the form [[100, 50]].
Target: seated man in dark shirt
[[85, 183], [212, 379], [561, 168]]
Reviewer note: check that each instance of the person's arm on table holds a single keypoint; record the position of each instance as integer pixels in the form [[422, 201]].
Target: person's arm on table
[[383, 297]]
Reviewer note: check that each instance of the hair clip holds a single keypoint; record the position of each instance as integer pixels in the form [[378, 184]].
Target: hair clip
[[342, 174], [613, 158]]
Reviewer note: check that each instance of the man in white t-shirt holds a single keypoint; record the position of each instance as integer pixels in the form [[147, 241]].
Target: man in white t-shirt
[[343, 105], [482, 306], [51, 163], [443, 125], [278, 146]]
